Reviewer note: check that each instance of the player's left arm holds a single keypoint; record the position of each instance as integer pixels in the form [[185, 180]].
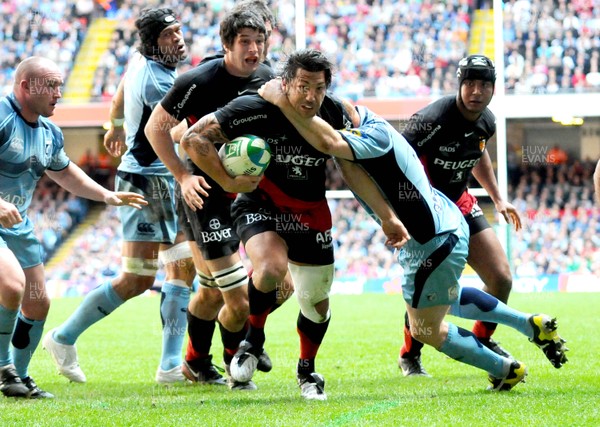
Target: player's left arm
[[365, 188], [484, 174], [76, 181]]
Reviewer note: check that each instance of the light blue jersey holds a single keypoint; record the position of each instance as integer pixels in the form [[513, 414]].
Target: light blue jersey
[[434, 258], [395, 167], [146, 83], [26, 151]]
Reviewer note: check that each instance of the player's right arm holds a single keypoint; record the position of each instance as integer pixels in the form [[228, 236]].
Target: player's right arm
[[158, 132], [199, 143]]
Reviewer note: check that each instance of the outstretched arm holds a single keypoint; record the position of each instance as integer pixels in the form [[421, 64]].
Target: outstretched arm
[[365, 188], [484, 173], [199, 143], [158, 132], [316, 131], [75, 181]]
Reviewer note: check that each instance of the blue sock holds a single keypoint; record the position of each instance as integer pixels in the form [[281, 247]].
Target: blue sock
[[7, 326], [96, 305], [25, 340], [476, 304], [174, 300], [463, 346]]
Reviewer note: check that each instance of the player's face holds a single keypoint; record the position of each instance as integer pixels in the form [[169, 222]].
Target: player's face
[[43, 92], [171, 45], [306, 92], [476, 95], [243, 57]]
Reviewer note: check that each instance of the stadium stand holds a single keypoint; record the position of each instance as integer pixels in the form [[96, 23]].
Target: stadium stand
[[387, 48], [54, 29], [560, 234], [390, 48], [551, 46]]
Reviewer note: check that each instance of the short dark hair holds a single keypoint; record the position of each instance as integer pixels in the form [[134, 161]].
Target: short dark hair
[[259, 6], [235, 21], [310, 60]]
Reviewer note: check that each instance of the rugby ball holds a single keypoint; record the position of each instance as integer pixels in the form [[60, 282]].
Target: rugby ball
[[245, 155]]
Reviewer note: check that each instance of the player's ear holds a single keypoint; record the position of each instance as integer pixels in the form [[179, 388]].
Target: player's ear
[[24, 84]]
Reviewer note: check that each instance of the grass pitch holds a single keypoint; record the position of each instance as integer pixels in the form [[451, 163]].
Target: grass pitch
[[358, 359]]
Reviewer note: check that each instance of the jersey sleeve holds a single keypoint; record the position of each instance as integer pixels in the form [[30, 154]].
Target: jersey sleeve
[[59, 160], [368, 141], [6, 130], [179, 100], [245, 114]]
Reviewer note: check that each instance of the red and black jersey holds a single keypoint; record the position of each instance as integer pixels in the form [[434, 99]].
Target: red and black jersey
[[449, 145], [296, 175]]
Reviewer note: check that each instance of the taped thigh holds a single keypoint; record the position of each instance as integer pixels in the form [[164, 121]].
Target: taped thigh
[[175, 253], [312, 285], [140, 266]]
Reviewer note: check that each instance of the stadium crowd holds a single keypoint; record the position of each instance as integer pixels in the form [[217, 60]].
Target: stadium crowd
[[382, 48], [561, 227], [54, 29], [551, 46]]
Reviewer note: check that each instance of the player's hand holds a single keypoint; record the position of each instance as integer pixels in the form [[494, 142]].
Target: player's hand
[[396, 233], [125, 198], [114, 141], [510, 214], [9, 214], [272, 91], [243, 184], [193, 187]]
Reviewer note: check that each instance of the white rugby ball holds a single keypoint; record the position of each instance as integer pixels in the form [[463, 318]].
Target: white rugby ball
[[245, 155]]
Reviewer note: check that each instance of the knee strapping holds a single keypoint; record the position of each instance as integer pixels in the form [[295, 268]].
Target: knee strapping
[[312, 284], [232, 277], [206, 281], [140, 266], [175, 253]]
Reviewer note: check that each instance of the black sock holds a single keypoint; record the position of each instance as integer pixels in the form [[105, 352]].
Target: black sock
[[201, 333]]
